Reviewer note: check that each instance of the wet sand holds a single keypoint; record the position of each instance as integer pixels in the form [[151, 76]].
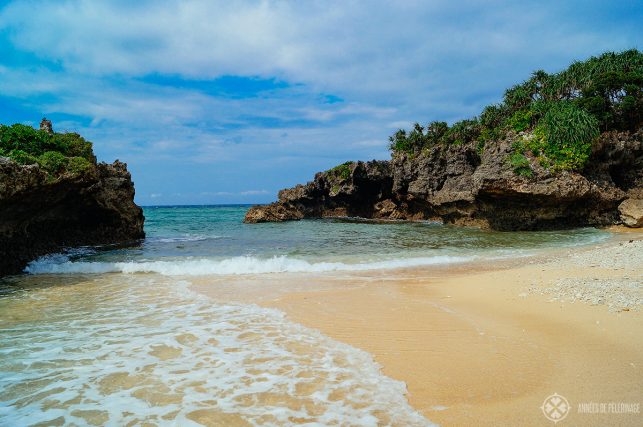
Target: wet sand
[[475, 344]]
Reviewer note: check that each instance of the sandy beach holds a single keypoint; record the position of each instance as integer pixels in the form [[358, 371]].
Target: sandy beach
[[486, 344]]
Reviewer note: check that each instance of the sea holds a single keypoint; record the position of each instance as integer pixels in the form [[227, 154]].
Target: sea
[[116, 336]]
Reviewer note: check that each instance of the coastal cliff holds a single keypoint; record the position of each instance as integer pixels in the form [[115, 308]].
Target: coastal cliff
[[561, 150], [46, 206], [457, 184]]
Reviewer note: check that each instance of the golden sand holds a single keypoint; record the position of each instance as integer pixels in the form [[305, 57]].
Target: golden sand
[[472, 344]]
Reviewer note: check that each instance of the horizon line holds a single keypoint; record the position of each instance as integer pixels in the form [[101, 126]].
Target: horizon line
[[200, 205]]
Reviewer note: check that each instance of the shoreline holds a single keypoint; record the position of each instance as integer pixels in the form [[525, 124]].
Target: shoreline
[[475, 343]]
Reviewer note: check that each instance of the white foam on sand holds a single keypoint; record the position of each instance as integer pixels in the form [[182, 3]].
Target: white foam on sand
[[121, 349], [227, 266]]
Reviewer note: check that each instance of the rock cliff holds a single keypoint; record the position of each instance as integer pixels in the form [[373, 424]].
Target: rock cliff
[[459, 184], [40, 214]]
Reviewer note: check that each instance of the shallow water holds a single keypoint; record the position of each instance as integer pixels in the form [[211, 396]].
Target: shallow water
[[118, 338], [213, 240], [116, 349]]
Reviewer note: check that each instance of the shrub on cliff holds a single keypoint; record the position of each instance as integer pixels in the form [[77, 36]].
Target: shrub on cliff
[[520, 164], [56, 153], [72, 144], [462, 131], [78, 165], [564, 112], [23, 138], [342, 171], [567, 132], [22, 157], [53, 162], [36, 142]]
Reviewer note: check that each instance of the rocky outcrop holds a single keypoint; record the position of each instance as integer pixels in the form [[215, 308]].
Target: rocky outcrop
[[353, 189], [40, 214], [46, 126], [458, 184], [631, 211]]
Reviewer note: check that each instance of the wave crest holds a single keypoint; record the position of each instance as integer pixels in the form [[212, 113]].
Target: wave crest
[[229, 266], [178, 239]]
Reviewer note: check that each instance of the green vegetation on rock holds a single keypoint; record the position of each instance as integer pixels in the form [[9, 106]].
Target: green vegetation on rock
[[53, 162], [520, 164], [557, 116], [22, 157], [78, 165], [55, 153], [565, 135], [342, 171]]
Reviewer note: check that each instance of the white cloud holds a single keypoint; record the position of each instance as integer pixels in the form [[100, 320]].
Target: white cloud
[[216, 193], [418, 58], [392, 63], [253, 192], [351, 47]]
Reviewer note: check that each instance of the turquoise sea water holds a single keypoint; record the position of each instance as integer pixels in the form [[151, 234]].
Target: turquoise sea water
[[214, 240], [116, 336]]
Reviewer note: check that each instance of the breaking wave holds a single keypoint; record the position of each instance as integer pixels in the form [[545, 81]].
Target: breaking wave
[[227, 266], [178, 239]]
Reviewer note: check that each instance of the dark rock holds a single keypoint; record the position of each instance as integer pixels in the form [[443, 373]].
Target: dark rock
[[457, 184], [331, 194], [40, 215]]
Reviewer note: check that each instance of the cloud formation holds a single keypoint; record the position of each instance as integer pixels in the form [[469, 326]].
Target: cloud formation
[[221, 96]]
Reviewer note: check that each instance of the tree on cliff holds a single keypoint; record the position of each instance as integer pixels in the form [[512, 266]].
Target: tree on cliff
[[557, 116]]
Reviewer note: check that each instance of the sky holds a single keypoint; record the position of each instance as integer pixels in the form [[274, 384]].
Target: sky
[[214, 102]]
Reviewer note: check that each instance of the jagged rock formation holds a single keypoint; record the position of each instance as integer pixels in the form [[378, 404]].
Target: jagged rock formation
[[457, 184], [40, 214]]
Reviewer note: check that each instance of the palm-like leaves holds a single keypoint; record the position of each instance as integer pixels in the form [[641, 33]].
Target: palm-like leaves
[[566, 108]]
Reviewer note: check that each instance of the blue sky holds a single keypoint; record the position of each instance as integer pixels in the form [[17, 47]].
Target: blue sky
[[230, 101]]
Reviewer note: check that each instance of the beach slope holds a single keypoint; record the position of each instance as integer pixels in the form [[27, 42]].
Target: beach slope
[[486, 344]]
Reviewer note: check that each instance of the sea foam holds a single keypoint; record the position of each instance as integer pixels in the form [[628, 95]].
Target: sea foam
[[180, 239], [227, 266], [120, 350]]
